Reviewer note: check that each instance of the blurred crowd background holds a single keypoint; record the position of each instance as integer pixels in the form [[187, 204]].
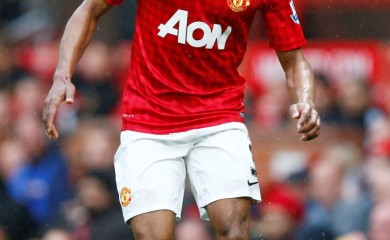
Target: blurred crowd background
[[335, 187]]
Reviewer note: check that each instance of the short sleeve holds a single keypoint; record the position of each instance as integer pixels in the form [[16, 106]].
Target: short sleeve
[[282, 24], [114, 2]]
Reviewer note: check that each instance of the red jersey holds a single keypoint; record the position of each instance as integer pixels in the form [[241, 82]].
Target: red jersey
[[184, 60]]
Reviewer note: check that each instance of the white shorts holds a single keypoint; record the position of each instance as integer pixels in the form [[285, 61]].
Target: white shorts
[[151, 169]]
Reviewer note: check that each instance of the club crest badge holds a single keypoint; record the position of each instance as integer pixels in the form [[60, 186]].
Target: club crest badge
[[125, 196], [238, 5]]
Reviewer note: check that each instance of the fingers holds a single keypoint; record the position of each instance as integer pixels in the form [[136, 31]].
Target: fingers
[[52, 132], [294, 111], [69, 93], [50, 109], [313, 133], [309, 122]]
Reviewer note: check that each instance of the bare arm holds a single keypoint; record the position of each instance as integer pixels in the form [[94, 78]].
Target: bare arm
[[301, 86], [78, 33]]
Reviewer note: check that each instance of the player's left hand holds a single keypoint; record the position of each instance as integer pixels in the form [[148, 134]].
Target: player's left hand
[[309, 123]]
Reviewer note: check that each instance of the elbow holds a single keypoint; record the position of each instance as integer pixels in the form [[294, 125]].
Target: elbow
[[97, 8]]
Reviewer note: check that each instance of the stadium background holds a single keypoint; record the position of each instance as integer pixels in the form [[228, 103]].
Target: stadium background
[[335, 187]]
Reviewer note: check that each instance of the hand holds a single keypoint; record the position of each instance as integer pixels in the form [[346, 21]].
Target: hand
[[61, 90], [309, 122]]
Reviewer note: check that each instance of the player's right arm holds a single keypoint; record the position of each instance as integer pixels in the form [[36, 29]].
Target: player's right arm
[[77, 34]]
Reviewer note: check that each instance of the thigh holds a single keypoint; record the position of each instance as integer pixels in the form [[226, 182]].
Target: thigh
[[220, 166], [230, 217], [150, 175]]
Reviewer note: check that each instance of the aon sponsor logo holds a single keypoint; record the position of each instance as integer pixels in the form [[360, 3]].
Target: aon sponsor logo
[[184, 32]]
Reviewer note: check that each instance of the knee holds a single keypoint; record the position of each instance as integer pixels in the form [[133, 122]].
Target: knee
[[232, 234], [233, 231], [148, 233], [230, 218]]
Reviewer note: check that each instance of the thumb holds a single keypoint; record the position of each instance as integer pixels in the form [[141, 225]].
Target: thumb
[[69, 93], [294, 111]]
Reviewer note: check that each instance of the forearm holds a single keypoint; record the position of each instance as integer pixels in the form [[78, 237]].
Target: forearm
[[299, 76], [300, 82], [77, 34]]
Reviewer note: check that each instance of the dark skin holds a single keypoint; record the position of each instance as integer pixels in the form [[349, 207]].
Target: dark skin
[[301, 86], [77, 35], [229, 217]]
